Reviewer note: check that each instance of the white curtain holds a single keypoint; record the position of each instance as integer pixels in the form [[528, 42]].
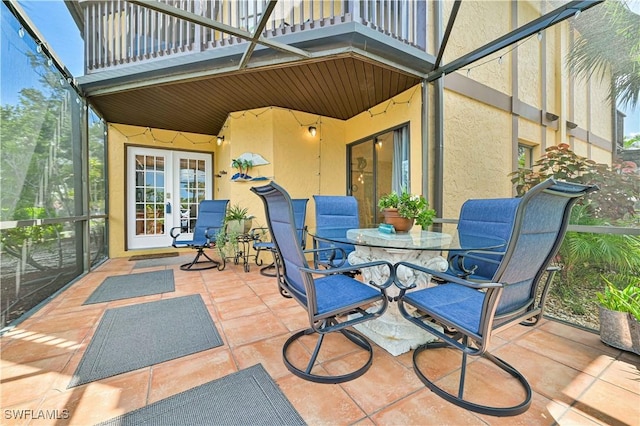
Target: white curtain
[[400, 166]]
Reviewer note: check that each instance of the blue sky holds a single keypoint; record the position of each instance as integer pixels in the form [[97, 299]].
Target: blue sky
[[54, 22]]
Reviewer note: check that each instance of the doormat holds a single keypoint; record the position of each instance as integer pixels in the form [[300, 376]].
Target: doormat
[[138, 336], [119, 287], [247, 397], [152, 256]]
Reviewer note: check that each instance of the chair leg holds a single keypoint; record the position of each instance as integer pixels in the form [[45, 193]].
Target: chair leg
[[306, 373], [459, 400], [200, 265]]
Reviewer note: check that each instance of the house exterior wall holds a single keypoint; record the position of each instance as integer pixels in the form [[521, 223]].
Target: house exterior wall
[[487, 113]]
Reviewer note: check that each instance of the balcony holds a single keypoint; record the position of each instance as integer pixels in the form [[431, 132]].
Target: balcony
[[124, 33], [576, 379]]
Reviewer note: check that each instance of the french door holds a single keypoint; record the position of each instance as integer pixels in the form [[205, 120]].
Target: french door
[[164, 189]]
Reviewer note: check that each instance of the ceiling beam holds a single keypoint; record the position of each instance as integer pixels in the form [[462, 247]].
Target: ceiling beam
[[215, 25], [256, 34], [533, 27]]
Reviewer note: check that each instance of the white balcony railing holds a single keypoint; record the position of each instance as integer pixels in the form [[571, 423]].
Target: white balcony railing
[[118, 32]]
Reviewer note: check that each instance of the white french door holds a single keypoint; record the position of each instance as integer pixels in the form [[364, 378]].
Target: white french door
[[164, 189]]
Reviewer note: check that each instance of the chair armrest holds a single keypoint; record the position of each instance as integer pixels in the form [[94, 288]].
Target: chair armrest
[[356, 268], [330, 263], [173, 234], [446, 278], [257, 233]]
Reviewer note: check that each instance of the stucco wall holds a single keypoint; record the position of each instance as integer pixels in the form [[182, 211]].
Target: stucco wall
[[119, 137]]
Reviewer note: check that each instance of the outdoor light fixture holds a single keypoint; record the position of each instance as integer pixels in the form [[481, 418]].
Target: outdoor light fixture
[[312, 130], [571, 125], [220, 140]]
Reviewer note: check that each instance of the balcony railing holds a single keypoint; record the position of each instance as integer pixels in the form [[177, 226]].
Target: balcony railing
[[118, 32]]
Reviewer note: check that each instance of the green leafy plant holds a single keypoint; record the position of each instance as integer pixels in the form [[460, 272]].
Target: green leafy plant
[[625, 299], [409, 206], [236, 212]]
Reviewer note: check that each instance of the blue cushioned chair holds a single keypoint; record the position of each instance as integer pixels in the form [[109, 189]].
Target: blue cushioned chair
[[209, 222], [333, 301], [300, 213], [475, 311], [492, 217], [335, 214]]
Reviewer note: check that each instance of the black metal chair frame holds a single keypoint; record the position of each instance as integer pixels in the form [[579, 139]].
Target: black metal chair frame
[[300, 281], [200, 243]]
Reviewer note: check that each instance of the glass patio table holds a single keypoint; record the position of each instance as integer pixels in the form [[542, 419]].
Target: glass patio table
[[425, 248]]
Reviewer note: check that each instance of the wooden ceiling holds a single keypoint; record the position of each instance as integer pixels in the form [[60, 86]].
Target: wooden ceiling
[[338, 87]]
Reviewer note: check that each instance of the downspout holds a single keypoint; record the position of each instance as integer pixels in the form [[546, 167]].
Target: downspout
[[438, 172]]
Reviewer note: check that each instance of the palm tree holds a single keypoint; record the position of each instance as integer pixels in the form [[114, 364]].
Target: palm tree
[[609, 41]]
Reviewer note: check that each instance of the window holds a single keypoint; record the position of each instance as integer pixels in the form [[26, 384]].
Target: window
[[525, 156], [378, 165]]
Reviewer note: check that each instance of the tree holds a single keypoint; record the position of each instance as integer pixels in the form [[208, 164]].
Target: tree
[[608, 44]]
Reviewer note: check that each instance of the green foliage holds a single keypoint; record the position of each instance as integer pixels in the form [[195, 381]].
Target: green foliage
[[630, 140], [236, 212], [619, 185], [625, 299], [409, 206], [608, 46]]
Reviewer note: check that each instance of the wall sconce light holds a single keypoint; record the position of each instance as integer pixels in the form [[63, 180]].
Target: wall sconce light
[[551, 117], [379, 143], [312, 130], [571, 125], [220, 140]]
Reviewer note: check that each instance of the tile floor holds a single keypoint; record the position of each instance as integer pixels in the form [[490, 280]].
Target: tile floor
[[576, 379]]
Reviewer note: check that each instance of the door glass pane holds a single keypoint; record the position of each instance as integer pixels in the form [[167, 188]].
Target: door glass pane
[[150, 195], [362, 182], [384, 163], [192, 189]]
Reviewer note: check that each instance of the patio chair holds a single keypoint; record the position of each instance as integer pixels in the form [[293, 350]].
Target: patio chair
[[209, 223], [335, 214], [473, 311], [333, 301], [300, 212], [492, 217]]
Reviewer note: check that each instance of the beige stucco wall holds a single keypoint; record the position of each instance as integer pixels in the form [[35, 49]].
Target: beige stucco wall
[[480, 136], [477, 154], [119, 137]]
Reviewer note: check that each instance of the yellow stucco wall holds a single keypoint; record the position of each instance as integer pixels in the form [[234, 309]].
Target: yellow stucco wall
[[119, 137], [477, 154]]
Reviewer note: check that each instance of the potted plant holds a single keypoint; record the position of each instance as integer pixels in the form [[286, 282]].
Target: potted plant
[[620, 315], [237, 219], [401, 210]]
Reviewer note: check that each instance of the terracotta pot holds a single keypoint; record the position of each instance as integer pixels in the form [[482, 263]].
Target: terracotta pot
[[401, 224], [620, 330]]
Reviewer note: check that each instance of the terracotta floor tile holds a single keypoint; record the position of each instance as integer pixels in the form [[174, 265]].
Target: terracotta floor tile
[[234, 308], [623, 374], [252, 328], [609, 404], [577, 355], [386, 380], [576, 379], [423, 408], [179, 375], [320, 404]]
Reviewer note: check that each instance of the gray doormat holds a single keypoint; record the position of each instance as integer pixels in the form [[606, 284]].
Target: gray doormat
[[165, 261], [248, 397], [152, 256], [137, 336], [132, 285]]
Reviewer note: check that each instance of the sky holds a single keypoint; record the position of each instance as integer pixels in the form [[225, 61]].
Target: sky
[[54, 22]]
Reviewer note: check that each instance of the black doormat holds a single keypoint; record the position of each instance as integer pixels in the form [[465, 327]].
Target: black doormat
[[152, 256], [248, 397], [132, 285], [137, 336]]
